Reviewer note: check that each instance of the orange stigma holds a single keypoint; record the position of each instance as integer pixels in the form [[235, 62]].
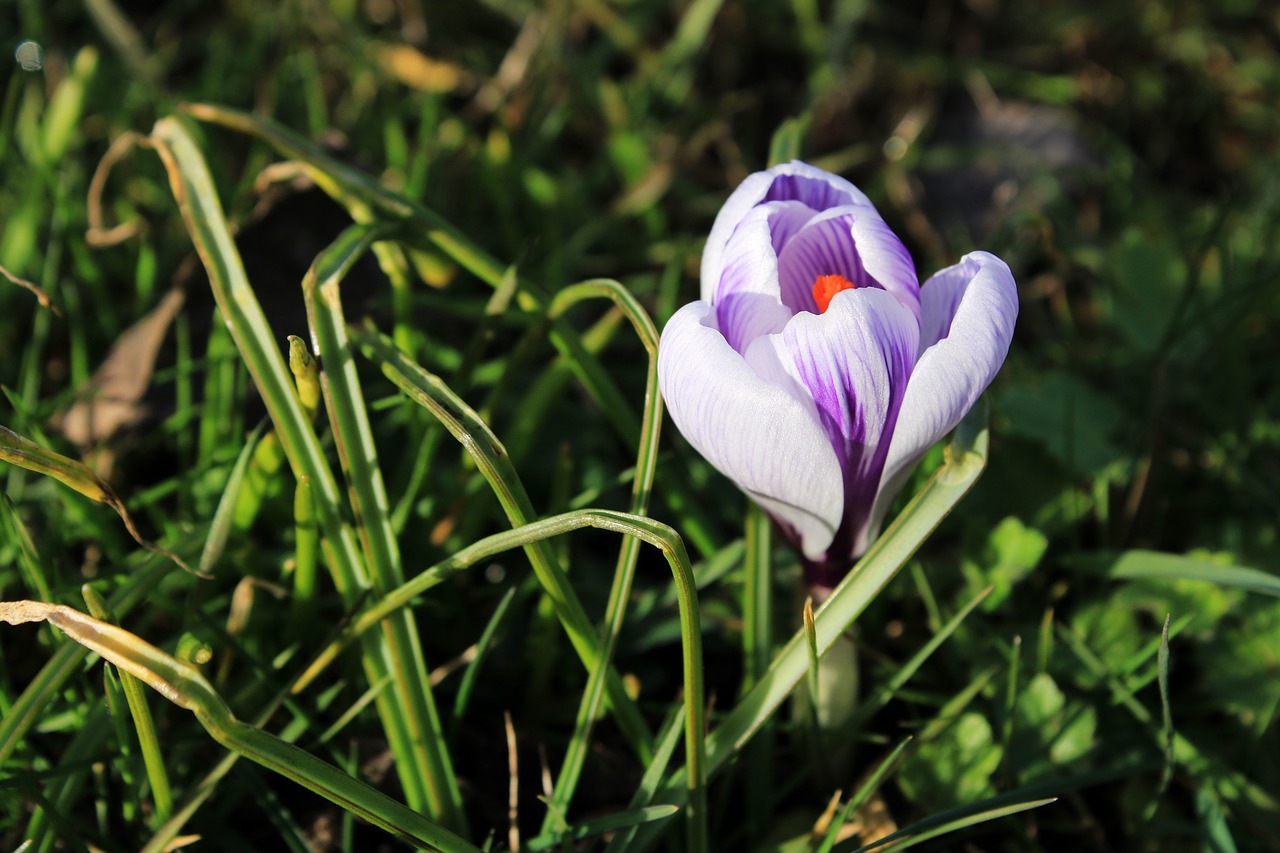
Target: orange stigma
[[825, 287]]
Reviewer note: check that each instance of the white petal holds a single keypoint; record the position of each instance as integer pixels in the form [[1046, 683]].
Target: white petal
[[751, 430], [974, 309]]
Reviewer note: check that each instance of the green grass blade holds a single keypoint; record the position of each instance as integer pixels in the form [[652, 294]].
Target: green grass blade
[[25, 453], [140, 711], [864, 792], [757, 648], [302, 605], [67, 660], [366, 199], [482, 648], [224, 515], [880, 697], [1139, 564], [665, 748], [28, 559], [1166, 710], [601, 825], [349, 419], [946, 823]]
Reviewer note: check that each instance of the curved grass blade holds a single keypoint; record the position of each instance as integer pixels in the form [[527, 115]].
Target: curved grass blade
[[25, 453], [645, 529], [1139, 564], [624, 574], [601, 825], [186, 687], [193, 189], [491, 459], [349, 419]]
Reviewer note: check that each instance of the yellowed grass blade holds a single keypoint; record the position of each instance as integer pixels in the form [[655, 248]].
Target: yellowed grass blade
[[25, 453]]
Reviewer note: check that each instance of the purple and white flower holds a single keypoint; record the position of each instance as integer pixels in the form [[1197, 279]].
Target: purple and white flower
[[815, 370]]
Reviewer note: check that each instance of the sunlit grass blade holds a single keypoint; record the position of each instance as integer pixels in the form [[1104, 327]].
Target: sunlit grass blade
[[186, 687], [965, 459], [24, 453], [306, 534], [490, 457], [353, 435], [258, 346]]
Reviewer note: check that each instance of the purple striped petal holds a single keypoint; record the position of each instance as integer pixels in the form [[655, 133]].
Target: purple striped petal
[[850, 365], [968, 311], [851, 241], [747, 302], [794, 181], [754, 432]]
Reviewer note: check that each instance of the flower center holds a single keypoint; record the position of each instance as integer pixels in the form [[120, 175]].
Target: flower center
[[825, 287]]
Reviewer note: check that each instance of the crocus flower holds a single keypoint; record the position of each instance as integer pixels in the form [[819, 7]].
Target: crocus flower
[[815, 370]]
